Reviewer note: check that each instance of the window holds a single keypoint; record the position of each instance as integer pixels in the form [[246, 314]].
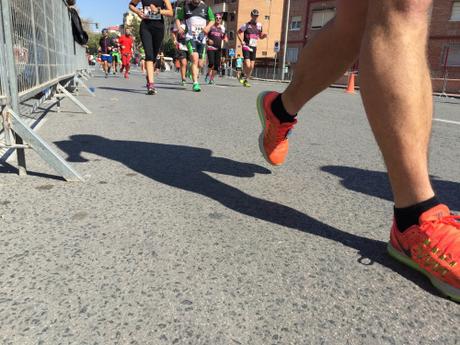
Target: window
[[231, 35], [321, 17], [264, 53], [292, 55], [296, 23], [267, 17], [453, 59], [455, 16], [232, 17]]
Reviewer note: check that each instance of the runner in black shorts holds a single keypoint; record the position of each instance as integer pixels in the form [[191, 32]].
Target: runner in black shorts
[[252, 32], [216, 38], [152, 31], [181, 51], [105, 49]]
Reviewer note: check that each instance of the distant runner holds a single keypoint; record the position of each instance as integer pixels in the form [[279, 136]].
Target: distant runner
[[216, 39], [105, 48], [116, 57], [239, 67], [249, 35], [199, 19], [181, 51], [142, 59], [126, 46]]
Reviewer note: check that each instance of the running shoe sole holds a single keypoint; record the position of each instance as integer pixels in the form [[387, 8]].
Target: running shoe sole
[[441, 286], [260, 110], [151, 92]]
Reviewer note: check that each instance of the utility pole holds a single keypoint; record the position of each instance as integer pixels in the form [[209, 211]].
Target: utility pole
[[283, 64]]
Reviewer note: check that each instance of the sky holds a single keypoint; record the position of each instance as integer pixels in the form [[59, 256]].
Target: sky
[[104, 12]]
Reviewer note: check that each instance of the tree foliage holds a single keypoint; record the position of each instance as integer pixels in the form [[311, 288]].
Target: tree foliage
[[135, 31], [93, 42]]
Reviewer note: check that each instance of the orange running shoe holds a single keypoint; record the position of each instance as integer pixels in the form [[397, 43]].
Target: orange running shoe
[[433, 248], [273, 141]]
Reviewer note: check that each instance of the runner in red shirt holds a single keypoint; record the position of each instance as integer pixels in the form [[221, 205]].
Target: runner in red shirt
[[126, 43]]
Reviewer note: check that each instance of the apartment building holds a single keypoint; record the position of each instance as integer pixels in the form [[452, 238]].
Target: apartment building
[[237, 12], [308, 16]]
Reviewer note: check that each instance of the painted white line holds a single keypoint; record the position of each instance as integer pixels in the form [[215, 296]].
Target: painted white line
[[447, 121]]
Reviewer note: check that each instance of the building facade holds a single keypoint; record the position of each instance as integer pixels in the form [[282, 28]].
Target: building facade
[[238, 12], [308, 16], [129, 17], [444, 44]]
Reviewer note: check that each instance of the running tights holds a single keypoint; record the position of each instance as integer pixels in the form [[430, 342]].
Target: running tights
[[152, 38]]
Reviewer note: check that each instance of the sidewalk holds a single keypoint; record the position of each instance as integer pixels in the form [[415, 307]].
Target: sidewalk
[[182, 234]]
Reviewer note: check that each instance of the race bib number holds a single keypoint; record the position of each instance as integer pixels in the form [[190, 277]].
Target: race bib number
[[253, 42], [197, 30], [150, 15]]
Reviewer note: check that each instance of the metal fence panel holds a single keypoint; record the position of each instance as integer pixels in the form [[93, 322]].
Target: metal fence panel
[[24, 48], [272, 74], [52, 57], [43, 45], [3, 85]]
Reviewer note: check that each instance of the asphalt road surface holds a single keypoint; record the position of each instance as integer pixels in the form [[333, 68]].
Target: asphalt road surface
[[183, 234]]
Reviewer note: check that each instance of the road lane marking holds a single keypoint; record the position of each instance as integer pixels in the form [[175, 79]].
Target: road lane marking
[[447, 121]]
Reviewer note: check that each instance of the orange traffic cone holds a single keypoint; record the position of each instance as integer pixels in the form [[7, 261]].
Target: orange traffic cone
[[351, 83]]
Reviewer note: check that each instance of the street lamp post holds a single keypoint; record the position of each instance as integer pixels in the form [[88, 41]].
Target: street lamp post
[[283, 64]]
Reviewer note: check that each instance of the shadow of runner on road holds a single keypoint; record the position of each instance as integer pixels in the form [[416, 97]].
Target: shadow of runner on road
[[119, 89], [185, 168], [375, 183]]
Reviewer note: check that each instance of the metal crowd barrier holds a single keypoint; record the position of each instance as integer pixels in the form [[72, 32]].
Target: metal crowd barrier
[[38, 60]]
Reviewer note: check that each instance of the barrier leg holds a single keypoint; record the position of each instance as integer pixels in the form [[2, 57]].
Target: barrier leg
[[65, 93], [42, 148], [21, 156], [80, 82], [83, 75]]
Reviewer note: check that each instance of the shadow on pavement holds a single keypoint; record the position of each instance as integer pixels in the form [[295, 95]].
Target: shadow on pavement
[[122, 89], [6, 168], [142, 92], [218, 83], [185, 168], [375, 183]]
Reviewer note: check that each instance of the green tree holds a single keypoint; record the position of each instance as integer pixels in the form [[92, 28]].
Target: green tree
[[135, 31], [93, 42]]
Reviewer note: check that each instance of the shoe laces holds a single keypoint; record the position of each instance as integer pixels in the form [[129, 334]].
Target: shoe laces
[[443, 243], [451, 219]]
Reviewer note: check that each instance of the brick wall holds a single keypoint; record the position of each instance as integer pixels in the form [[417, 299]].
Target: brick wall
[[442, 32]]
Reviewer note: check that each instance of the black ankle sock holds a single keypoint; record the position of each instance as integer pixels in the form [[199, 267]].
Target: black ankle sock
[[280, 112], [408, 216]]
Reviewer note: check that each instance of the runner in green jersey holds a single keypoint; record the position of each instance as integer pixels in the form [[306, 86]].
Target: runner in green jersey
[[199, 19]]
